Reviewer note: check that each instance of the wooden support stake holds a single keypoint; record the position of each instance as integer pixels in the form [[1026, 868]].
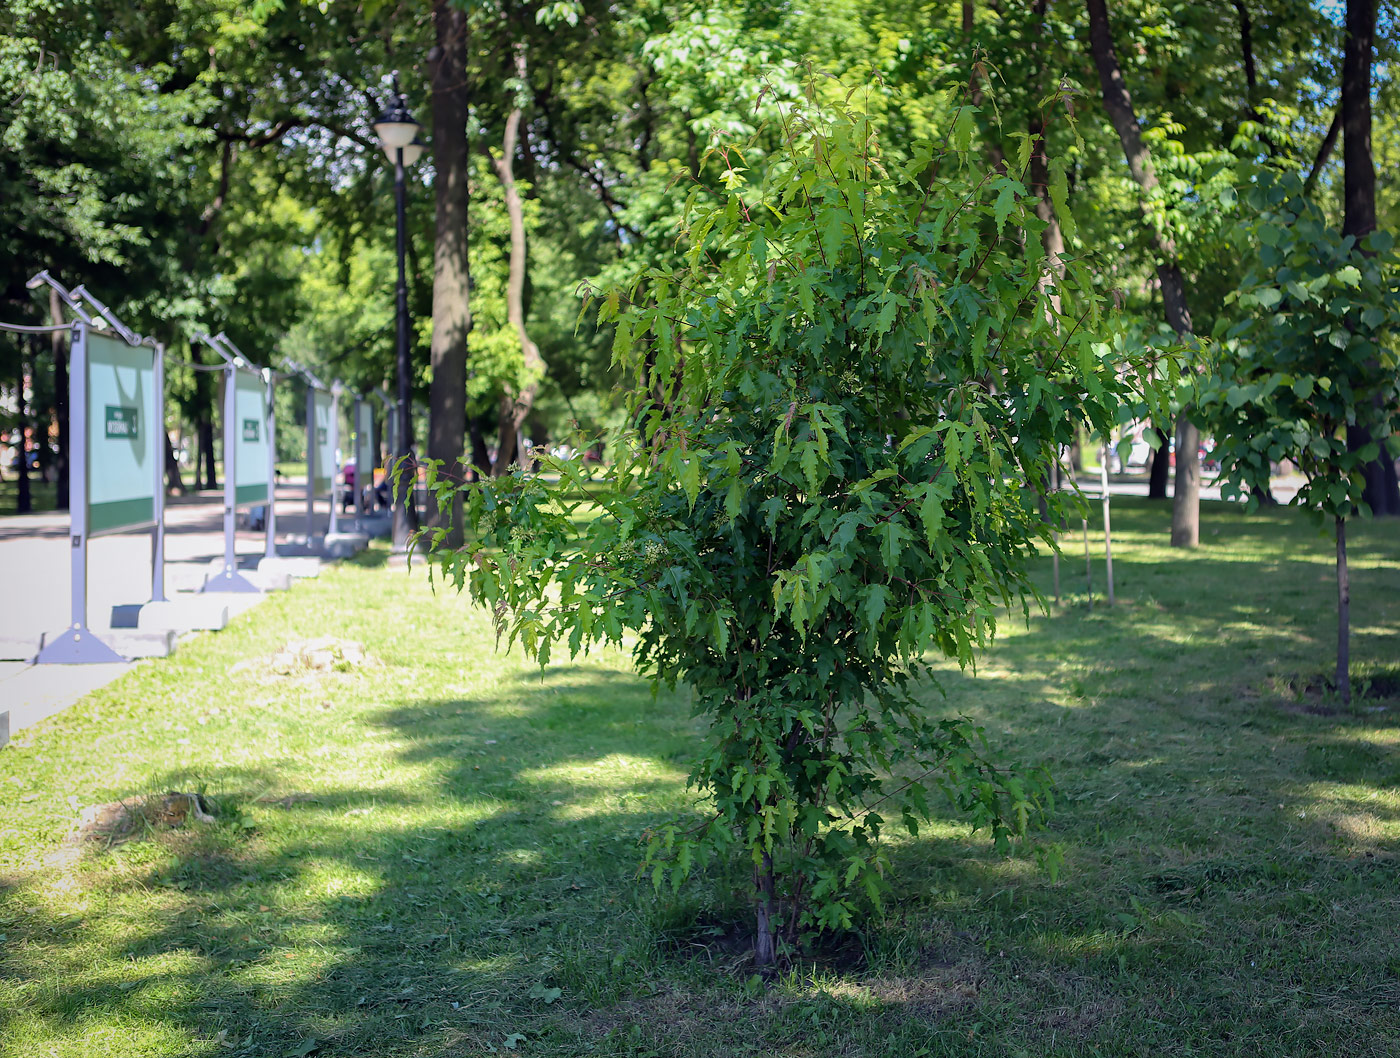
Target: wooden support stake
[[1107, 530]]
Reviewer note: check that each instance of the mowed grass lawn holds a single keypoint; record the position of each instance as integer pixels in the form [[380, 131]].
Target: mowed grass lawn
[[436, 854]]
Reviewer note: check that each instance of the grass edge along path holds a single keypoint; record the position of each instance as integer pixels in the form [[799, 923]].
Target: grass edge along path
[[434, 852]]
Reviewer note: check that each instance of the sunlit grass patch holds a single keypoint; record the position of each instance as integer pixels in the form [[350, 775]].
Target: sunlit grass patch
[[409, 859]]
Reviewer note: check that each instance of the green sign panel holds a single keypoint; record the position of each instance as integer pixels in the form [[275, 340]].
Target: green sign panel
[[325, 454], [366, 456], [121, 394], [121, 424], [250, 455]]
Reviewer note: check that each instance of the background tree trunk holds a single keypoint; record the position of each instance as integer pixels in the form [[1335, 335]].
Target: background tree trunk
[[1382, 490], [1052, 238], [481, 456], [515, 407], [24, 500], [1161, 467], [174, 480], [59, 343], [206, 451], [452, 316], [1186, 499]]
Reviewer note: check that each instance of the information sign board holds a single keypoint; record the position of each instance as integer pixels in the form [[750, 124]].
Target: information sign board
[[366, 454], [323, 408], [251, 437], [122, 408]]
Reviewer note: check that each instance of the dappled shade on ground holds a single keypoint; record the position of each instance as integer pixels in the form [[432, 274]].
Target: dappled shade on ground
[[437, 855]]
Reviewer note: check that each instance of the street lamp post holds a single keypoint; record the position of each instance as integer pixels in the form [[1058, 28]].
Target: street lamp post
[[398, 133]]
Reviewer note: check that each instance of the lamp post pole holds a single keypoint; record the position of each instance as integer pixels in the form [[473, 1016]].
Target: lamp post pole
[[403, 489], [398, 134]]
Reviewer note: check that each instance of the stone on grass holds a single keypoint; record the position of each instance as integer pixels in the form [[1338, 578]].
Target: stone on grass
[[119, 820]]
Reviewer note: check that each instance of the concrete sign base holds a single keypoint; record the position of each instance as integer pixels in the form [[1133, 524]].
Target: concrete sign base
[[133, 643], [76, 646], [188, 614], [343, 545], [298, 566], [229, 580]]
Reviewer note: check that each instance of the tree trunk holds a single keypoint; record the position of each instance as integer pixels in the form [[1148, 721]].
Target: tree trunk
[[1251, 74], [24, 500], [174, 481], [206, 450], [1343, 616], [1382, 489], [1324, 151], [1186, 501], [1052, 238], [765, 941], [477, 426], [995, 156], [1161, 467], [1186, 496], [1359, 178], [452, 316], [59, 343], [515, 406]]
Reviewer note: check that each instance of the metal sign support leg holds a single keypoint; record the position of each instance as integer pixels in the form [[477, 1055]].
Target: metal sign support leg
[[335, 451], [310, 463], [230, 580], [77, 645], [158, 461], [270, 551], [359, 449]]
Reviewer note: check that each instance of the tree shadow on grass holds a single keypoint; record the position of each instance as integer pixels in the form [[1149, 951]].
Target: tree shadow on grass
[[1228, 887], [407, 918]]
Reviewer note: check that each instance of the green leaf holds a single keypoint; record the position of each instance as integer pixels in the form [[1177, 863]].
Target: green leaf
[[1005, 203], [892, 538], [689, 477], [873, 608], [964, 125], [931, 514], [1059, 198]]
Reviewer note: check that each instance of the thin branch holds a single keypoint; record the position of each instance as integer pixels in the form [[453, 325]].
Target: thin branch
[[1324, 151]]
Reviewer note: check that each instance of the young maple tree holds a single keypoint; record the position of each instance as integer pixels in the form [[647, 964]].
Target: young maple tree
[[843, 391], [1313, 356]]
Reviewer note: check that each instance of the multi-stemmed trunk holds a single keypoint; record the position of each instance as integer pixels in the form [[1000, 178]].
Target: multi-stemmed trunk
[[1186, 500]]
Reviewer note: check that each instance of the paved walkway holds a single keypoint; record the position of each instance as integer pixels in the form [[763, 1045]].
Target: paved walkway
[[36, 574]]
